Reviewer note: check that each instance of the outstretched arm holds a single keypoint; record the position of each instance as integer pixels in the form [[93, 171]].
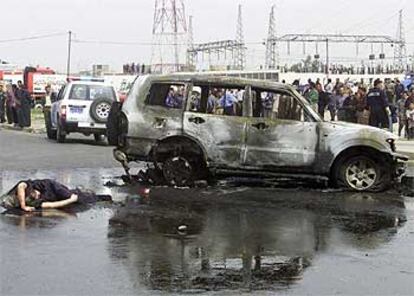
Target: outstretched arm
[[60, 204]]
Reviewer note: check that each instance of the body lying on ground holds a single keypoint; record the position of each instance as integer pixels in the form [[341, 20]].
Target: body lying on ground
[[30, 195]]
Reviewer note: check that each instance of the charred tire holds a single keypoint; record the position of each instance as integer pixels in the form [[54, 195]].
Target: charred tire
[[363, 172], [178, 171], [50, 132], [112, 124], [100, 109], [60, 133]]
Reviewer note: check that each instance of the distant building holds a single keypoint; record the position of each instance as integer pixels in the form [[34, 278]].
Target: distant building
[[100, 70]]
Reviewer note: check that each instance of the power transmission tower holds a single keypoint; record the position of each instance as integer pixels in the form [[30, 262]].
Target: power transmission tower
[[271, 43], [240, 58], [190, 46], [400, 50], [169, 36]]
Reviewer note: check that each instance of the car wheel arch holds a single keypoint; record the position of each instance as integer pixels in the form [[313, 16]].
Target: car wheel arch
[[171, 142], [355, 150]]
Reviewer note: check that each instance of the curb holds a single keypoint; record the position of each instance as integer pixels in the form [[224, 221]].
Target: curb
[[29, 130]]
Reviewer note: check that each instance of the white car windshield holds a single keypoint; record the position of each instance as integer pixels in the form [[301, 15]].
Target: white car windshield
[[91, 92]]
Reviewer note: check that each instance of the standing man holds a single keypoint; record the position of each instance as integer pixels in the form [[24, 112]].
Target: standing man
[[2, 104], [312, 96], [377, 103], [399, 89], [26, 104], [402, 114], [323, 100]]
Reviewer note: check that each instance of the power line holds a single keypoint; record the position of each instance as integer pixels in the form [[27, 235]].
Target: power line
[[32, 37], [141, 43]]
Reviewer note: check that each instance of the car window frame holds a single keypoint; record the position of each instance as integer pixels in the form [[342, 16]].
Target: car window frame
[[170, 83], [307, 113], [225, 86]]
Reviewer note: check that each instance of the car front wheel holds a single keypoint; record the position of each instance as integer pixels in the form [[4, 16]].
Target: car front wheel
[[363, 173]]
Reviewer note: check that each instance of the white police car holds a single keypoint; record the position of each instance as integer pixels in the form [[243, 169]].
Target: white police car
[[81, 106]]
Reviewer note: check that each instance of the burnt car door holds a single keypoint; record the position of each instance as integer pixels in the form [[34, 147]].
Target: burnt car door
[[282, 135], [215, 118], [162, 111]]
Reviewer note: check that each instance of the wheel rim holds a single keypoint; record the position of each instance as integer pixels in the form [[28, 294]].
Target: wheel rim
[[361, 174], [102, 110], [177, 171]]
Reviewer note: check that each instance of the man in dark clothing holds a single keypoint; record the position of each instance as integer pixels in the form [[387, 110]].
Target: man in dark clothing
[[377, 103], [2, 104], [350, 109], [29, 195], [399, 89], [323, 100], [26, 105]]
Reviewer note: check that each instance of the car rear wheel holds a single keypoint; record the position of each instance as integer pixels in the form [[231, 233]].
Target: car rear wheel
[[178, 171], [50, 132], [363, 173]]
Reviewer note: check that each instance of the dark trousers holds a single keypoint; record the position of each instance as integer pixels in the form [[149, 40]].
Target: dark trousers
[[2, 110], [9, 114], [332, 111], [321, 110], [16, 115], [401, 125], [26, 115]]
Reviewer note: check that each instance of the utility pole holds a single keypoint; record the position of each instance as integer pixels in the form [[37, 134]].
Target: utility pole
[[271, 43], [400, 53], [69, 53], [240, 58], [190, 46], [327, 58]]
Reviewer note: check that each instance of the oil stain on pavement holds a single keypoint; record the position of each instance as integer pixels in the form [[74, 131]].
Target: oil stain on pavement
[[216, 240]]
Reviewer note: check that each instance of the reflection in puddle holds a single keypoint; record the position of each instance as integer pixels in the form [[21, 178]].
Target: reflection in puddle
[[254, 238]]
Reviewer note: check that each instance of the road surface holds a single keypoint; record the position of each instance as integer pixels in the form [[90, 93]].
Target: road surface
[[226, 240]]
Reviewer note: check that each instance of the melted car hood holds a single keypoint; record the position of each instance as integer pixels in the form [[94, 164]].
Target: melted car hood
[[346, 127]]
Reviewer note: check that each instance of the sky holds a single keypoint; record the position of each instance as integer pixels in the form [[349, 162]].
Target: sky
[[131, 21]]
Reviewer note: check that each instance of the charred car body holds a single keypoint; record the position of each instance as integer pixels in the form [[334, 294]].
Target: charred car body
[[191, 126]]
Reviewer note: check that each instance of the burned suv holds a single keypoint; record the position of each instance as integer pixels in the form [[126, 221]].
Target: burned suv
[[194, 126]]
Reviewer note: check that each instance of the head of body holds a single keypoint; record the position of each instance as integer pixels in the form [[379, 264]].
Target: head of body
[[411, 107], [14, 88], [20, 84], [1, 88]]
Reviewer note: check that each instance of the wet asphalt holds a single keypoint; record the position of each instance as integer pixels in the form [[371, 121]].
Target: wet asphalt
[[220, 240]]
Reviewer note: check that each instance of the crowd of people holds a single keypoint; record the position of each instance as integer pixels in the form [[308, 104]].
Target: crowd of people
[[385, 104], [134, 69], [15, 105]]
